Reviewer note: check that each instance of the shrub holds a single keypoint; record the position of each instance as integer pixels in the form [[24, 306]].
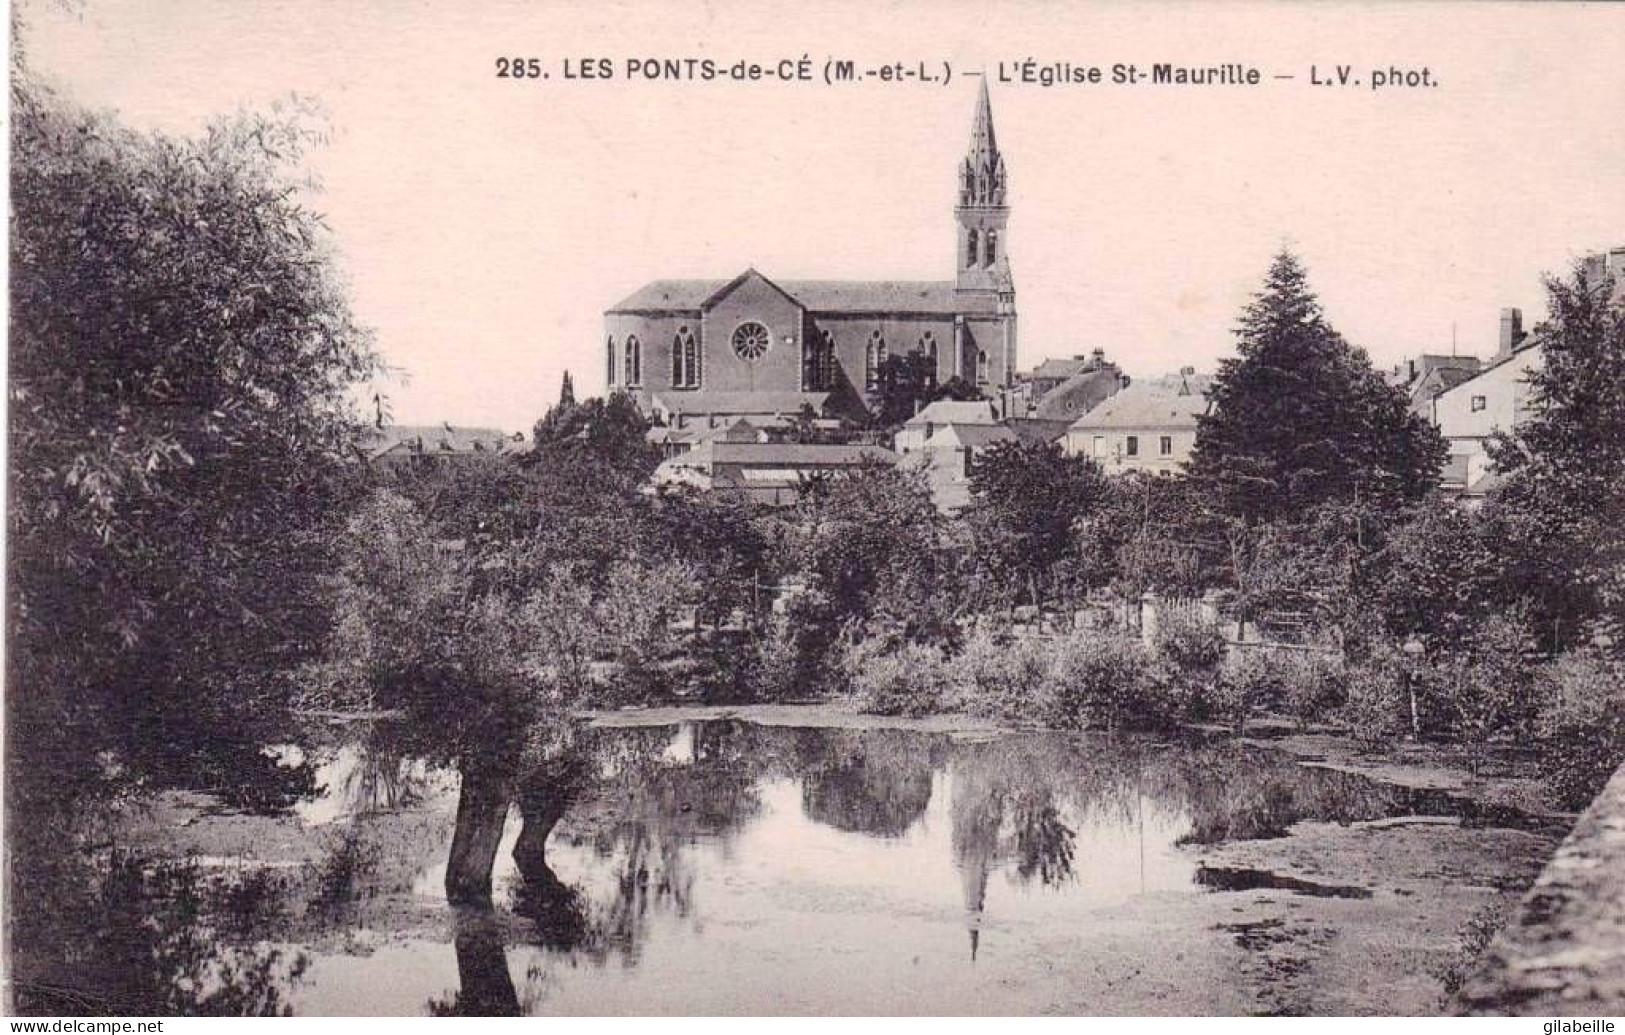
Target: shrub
[[1249, 679], [901, 678], [999, 675], [1311, 684], [1479, 688], [1189, 644], [1376, 705], [1102, 680], [1581, 724]]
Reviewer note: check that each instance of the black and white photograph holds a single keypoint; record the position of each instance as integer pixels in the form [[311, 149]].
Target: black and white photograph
[[779, 510]]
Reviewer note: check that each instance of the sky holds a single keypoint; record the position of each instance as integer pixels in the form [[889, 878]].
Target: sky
[[485, 224]]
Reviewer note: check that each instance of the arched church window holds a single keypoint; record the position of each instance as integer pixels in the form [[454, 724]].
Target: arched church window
[[874, 357], [992, 246], [971, 248], [981, 367], [634, 361], [928, 345], [688, 359], [609, 359], [821, 376]]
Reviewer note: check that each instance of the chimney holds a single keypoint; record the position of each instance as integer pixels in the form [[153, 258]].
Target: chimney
[[1511, 332]]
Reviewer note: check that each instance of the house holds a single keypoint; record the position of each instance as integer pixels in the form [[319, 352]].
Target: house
[[1468, 415], [1426, 376], [401, 444], [944, 439], [1145, 427], [1500, 395], [766, 472], [1066, 389], [947, 456], [917, 429]]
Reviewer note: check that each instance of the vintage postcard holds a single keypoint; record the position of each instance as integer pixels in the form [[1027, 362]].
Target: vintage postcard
[[991, 507]]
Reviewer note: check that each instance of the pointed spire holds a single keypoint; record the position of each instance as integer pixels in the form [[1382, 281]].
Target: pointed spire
[[981, 132], [983, 172], [567, 391]]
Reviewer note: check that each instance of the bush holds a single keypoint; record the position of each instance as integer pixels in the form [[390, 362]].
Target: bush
[[1481, 687], [1376, 705], [1312, 684], [798, 658], [1104, 680], [999, 675], [895, 679], [1192, 646], [1248, 680], [1581, 724]]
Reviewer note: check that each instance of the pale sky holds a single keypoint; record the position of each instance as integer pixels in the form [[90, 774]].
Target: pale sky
[[486, 223]]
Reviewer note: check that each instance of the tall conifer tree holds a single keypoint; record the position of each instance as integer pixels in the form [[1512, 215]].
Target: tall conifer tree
[[1300, 418]]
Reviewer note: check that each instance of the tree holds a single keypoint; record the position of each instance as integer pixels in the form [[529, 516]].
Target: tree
[[1025, 499], [903, 384], [1300, 418], [867, 545], [181, 434], [182, 361], [612, 432], [1558, 515]]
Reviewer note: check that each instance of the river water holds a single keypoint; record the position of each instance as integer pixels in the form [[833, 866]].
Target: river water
[[725, 867]]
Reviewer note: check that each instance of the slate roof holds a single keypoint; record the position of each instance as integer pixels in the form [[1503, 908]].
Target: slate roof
[[975, 436], [1145, 407], [1059, 369], [1078, 394], [438, 438], [934, 297], [788, 403], [951, 411], [709, 455], [791, 454]]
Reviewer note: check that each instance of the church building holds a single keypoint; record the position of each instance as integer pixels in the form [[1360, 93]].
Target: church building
[[702, 353]]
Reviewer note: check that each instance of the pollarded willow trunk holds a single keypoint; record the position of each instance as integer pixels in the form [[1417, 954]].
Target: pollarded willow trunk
[[482, 810], [545, 795]]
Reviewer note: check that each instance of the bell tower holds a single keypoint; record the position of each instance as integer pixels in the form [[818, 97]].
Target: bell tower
[[981, 212]]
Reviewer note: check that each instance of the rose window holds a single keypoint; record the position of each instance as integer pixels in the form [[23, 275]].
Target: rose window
[[751, 341]]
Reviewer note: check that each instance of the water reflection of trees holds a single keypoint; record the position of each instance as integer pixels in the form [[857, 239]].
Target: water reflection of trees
[[874, 782], [142, 937]]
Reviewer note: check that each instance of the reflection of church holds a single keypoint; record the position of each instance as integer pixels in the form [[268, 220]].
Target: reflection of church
[[702, 352]]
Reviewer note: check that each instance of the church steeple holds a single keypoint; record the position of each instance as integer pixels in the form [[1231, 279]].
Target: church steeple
[[982, 176], [981, 211]]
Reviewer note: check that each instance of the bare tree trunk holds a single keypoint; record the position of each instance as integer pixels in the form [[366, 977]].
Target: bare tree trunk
[[482, 810]]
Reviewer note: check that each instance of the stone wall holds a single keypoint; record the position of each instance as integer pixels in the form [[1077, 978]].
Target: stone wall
[[1562, 954]]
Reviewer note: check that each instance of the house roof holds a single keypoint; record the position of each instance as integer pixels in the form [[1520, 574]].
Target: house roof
[[754, 403], [791, 454], [437, 438], [1060, 369], [951, 411], [937, 297], [975, 436], [1146, 407], [1078, 394], [1037, 429], [711, 454]]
